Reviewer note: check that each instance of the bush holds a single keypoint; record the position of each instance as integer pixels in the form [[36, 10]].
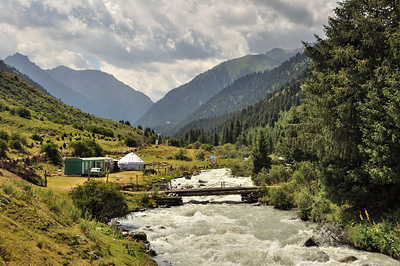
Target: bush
[[277, 174], [52, 154], [241, 168], [282, 199], [200, 156], [99, 200], [87, 148], [23, 112], [173, 142], [3, 149], [4, 135], [36, 137], [131, 142], [181, 155], [101, 130]]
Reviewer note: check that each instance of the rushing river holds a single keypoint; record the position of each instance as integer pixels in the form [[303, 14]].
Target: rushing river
[[220, 230]]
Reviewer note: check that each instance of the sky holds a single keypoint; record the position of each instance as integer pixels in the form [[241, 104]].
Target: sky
[[155, 45]]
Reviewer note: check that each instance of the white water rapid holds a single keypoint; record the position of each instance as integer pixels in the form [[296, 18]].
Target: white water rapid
[[220, 230]]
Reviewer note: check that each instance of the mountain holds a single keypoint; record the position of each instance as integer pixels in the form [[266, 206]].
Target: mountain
[[246, 91], [282, 55], [228, 127], [118, 100], [181, 101], [52, 86], [97, 93]]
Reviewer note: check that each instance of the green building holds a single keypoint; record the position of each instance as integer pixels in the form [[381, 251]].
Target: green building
[[81, 166]]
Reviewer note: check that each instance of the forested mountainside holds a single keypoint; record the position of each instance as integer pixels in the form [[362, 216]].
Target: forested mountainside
[[247, 90], [228, 128], [181, 101]]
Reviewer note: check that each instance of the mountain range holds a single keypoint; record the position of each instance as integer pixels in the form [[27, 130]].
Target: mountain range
[[224, 89], [92, 91]]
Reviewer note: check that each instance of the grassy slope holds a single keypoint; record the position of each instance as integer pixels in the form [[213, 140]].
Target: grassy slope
[[51, 115], [39, 227]]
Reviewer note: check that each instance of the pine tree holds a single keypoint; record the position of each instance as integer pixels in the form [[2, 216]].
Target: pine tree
[[353, 103], [260, 154]]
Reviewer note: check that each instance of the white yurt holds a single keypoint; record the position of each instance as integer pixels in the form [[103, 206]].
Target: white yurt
[[131, 162]]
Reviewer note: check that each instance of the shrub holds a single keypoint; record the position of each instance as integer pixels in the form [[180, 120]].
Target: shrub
[[3, 149], [36, 137], [99, 200], [200, 156], [131, 142], [4, 135], [241, 168], [282, 199], [87, 148], [52, 154], [23, 112], [181, 155], [277, 174]]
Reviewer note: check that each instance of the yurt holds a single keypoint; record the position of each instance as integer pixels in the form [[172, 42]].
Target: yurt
[[131, 162]]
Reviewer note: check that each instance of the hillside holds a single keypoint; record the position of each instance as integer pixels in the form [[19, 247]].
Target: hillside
[[92, 91], [25, 110], [247, 90], [52, 86], [181, 101], [41, 227], [264, 113]]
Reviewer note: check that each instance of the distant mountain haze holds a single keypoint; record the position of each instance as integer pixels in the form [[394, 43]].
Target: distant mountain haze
[[177, 104], [91, 91], [119, 100]]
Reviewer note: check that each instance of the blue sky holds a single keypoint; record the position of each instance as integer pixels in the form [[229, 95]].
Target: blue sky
[[155, 46]]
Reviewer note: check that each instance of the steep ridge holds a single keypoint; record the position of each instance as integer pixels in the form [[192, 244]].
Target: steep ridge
[[181, 101], [52, 86], [118, 100]]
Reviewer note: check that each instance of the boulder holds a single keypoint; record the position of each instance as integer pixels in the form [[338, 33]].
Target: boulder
[[348, 259], [151, 252], [139, 236], [311, 242], [322, 256]]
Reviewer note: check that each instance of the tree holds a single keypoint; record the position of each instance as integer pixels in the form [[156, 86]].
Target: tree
[[353, 103], [52, 154], [87, 148], [99, 200], [260, 154]]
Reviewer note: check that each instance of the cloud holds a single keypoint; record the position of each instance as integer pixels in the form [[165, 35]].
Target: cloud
[[154, 46]]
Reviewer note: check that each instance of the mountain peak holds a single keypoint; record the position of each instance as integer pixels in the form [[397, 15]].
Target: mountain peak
[[282, 55]]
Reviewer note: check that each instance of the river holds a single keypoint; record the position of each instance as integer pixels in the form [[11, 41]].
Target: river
[[220, 230]]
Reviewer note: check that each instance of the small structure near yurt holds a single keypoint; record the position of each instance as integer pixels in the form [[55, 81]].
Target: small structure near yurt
[[81, 166], [131, 162]]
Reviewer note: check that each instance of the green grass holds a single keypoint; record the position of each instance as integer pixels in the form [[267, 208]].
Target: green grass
[[41, 227]]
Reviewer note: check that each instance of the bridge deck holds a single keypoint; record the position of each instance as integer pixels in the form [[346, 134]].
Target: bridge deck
[[211, 191]]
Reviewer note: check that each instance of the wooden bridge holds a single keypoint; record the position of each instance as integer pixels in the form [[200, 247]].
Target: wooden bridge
[[211, 191]]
